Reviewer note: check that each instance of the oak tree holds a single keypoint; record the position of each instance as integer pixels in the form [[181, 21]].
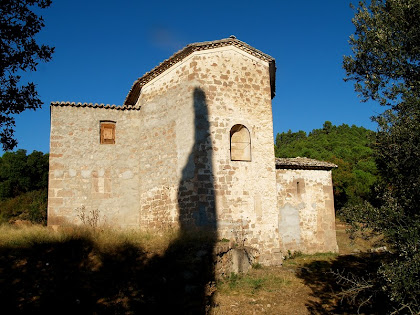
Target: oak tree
[[19, 52], [385, 66]]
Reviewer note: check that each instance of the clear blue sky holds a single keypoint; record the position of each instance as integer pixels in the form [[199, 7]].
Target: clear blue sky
[[102, 47]]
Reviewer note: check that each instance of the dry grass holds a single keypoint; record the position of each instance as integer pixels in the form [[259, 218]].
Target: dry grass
[[26, 236], [110, 271], [79, 270], [269, 290], [360, 242], [254, 282]]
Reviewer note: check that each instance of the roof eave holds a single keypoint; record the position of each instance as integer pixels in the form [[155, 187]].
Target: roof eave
[[303, 163], [92, 105], [305, 167]]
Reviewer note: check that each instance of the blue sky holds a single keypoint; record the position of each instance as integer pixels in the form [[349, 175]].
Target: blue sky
[[102, 47]]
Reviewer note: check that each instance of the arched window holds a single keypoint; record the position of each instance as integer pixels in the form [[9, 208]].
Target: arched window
[[240, 143]]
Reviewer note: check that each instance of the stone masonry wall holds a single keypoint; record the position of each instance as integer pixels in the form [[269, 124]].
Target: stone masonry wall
[[306, 211], [171, 165], [185, 167], [85, 173]]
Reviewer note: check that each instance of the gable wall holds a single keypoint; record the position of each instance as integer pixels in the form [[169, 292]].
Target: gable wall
[[239, 93], [166, 140], [207, 93]]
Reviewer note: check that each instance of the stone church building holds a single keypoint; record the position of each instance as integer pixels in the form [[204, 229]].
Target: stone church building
[[192, 148]]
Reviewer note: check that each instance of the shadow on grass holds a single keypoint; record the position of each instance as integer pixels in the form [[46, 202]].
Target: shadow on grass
[[75, 277], [319, 276]]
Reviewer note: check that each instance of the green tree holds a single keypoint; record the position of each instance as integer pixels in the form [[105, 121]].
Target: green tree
[[23, 186], [19, 52], [348, 147], [385, 66], [327, 127], [385, 45], [21, 173]]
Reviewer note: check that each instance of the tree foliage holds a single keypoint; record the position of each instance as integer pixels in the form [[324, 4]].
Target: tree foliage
[[19, 53], [348, 147], [385, 66], [385, 45], [23, 186], [21, 173]]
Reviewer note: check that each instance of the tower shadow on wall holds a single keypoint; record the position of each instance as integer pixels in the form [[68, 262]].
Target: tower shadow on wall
[[186, 270]]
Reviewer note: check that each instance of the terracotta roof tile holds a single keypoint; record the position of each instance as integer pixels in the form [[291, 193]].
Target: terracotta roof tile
[[91, 105], [303, 163], [135, 90]]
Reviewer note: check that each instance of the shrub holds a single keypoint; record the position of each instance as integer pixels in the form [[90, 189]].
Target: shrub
[[30, 206]]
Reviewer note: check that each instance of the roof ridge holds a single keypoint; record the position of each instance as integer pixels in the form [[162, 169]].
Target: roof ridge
[[135, 90], [95, 105]]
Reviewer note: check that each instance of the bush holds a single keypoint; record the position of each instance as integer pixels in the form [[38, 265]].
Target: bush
[[30, 206]]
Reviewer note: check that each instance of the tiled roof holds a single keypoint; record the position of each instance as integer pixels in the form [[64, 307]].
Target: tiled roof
[[134, 93], [107, 106], [303, 163]]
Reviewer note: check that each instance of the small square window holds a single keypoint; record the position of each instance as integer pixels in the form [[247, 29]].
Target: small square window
[[107, 133]]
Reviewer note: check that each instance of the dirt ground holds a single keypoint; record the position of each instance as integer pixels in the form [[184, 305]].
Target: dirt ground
[[303, 285]]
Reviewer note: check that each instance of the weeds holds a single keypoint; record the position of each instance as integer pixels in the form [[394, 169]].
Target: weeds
[[27, 236], [90, 218], [251, 283], [105, 239], [255, 284], [293, 255], [233, 280], [298, 256], [257, 266]]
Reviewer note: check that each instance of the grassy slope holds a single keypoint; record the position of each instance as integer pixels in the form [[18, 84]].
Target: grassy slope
[[109, 272]]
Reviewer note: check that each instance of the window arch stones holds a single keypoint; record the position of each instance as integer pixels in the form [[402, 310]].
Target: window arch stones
[[240, 143]]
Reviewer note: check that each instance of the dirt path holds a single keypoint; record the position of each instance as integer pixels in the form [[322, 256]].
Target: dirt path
[[303, 285]]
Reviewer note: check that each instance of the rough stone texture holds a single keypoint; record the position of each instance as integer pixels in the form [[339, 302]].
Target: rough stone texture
[[188, 112], [306, 210], [171, 166], [83, 172], [230, 259]]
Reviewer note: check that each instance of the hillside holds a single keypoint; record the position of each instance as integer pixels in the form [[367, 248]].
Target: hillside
[[348, 147]]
